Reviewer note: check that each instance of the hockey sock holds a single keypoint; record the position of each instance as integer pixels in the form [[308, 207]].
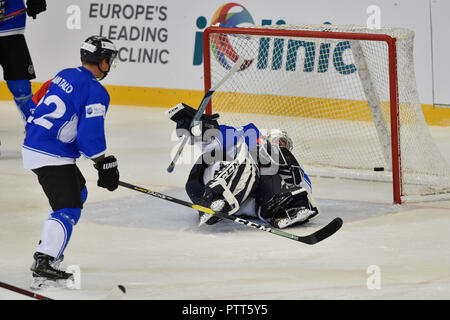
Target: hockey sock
[[57, 231], [84, 194], [21, 90]]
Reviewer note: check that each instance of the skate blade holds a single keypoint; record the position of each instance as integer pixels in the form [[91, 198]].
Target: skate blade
[[209, 220], [299, 220], [40, 283]]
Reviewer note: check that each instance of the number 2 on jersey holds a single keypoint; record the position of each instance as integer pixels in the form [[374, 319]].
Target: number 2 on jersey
[[56, 114]]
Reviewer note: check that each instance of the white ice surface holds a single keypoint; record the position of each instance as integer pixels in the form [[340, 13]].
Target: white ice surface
[[156, 250]]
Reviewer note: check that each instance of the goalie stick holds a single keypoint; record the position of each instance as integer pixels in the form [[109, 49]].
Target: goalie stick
[[312, 238], [202, 107], [14, 14]]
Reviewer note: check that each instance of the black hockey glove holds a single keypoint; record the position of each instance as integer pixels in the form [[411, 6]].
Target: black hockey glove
[[183, 115], [35, 7], [108, 174]]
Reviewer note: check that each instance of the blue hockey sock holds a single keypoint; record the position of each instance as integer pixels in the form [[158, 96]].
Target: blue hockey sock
[[84, 195], [21, 90]]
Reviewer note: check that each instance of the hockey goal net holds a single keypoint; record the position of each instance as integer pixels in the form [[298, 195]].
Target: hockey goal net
[[346, 95]]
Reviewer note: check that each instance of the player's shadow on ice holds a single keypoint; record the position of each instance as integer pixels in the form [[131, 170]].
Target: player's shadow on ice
[[144, 211]]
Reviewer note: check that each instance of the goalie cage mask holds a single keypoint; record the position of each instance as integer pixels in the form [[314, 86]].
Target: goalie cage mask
[[276, 135]]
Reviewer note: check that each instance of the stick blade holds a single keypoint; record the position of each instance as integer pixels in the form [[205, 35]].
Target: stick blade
[[323, 233], [117, 293]]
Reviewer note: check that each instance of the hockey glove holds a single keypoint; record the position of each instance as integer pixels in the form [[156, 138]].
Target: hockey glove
[[35, 7], [108, 174], [183, 115]]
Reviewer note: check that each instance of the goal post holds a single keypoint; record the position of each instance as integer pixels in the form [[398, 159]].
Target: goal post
[[345, 94]]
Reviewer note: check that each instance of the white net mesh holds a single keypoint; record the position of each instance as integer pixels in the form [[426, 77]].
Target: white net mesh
[[332, 96]]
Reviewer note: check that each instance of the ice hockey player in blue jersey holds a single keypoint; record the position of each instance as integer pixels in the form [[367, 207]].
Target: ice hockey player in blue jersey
[[245, 172], [69, 121], [15, 58]]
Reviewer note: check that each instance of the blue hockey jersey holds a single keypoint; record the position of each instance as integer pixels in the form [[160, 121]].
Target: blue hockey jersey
[[69, 119], [17, 24], [230, 136]]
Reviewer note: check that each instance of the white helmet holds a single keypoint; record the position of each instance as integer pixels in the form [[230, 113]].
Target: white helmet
[[280, 138]]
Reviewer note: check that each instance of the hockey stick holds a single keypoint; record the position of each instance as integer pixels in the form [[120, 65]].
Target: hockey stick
[[14, 14], [312, 238], [117, 293], [202, 107], [23, 291]]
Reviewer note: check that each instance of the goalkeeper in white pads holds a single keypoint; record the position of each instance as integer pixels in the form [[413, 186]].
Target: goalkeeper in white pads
[[245, 173]]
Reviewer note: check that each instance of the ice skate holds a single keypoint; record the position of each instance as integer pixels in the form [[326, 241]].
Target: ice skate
[[293, 216], [210, 219], [46, 272]]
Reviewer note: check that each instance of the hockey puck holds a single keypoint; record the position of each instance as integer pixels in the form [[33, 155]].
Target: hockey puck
[[378, 169], [122, 288]]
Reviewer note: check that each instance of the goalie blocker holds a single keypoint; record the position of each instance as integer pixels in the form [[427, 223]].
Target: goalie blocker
[[183, 115]]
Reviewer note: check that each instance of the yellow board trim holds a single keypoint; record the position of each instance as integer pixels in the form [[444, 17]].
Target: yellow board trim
[[161, 97], [305, 107], [153, 97], [134, 96], [436, 116]]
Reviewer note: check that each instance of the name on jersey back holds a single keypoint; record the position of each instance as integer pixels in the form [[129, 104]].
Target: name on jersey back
[[63, 84]]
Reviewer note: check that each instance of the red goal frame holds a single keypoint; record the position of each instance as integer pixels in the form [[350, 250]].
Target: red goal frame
[[393, 78]]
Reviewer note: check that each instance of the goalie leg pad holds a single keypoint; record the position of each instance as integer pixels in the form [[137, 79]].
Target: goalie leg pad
[[233, 183], [219, 189], [277, 201]]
